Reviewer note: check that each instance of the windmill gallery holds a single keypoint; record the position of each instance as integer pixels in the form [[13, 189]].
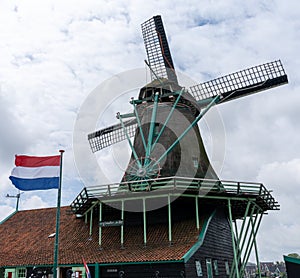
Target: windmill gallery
[[170, 215]]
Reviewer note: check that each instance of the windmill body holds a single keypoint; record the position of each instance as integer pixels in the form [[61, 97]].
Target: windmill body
[[169, 191], [188, 157]]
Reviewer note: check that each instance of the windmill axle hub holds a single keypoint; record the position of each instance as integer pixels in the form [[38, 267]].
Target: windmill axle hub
[[141, 172]]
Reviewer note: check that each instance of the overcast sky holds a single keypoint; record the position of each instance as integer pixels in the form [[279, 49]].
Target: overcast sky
[[54, 53]]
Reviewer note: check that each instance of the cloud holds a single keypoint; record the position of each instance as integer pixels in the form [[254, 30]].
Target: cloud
[[5, 211], [54, 53], [280, 229], [33, 202]]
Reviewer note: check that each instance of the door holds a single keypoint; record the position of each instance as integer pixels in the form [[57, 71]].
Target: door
[[209, 268]]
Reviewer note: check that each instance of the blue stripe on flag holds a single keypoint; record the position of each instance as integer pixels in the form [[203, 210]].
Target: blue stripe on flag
[[35, 184]]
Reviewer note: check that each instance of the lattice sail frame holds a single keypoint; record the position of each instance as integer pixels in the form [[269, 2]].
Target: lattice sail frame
[[111, 135], [241, 83], [157, 48]]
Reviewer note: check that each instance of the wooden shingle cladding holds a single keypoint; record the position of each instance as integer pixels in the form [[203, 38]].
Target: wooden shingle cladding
[[217, 246]]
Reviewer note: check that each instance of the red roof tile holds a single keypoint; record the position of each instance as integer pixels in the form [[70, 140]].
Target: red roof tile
[[24, 240]]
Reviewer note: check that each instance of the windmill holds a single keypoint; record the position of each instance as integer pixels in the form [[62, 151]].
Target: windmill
[[164, 121], [198, 213]]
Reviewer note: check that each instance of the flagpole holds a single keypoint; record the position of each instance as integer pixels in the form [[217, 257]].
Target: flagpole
[[55, 265]]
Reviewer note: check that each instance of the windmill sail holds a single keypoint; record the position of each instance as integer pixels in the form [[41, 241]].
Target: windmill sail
[[108, 136], [167, 140], [241, 83], [157, 48]]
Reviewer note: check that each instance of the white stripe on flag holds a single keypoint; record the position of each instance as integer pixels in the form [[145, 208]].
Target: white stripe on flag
[[35, 172]]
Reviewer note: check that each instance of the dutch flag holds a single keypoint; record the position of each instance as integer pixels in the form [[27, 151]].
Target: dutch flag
[[88, 273], [36, 173]]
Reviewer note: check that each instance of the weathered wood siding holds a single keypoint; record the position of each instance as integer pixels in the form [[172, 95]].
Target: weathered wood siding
[[217, 245]]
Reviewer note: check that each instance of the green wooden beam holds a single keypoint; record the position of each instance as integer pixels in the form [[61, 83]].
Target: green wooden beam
[[151, 128], [168, 118], [100, 228], [122, 226], [233, 242], [197, 212], [241, 241], [144, 221], [91, 222], [169, 219]]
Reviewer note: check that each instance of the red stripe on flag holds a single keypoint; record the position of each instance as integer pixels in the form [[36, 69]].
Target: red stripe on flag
[[37, 161]]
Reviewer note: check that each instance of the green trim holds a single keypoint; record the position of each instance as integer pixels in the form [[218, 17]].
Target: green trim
[[176, 194], [99, 264], [291, 259], [201, 237], [8, 217]]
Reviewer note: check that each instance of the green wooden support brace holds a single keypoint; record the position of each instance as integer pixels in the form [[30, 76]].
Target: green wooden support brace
[[197, 212], [129, 115], [243, 236], [91, 222], [255, 246], [122, 226], [233, 242], [144, 221], [151, 128], [213, 102], [254, 230], [100, 228], [97, 270], [250, 240], [168, 118], [243, 232], [169, 219]]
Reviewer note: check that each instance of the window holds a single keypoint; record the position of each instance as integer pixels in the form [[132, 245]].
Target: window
[[209, 268], [21, 273], [227, 268], [198, 268], [216, 269], [156, 129], [195, 162]]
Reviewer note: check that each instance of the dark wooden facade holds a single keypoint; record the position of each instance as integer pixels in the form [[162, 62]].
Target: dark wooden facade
[[217, 247], [292, 266], [213, 243]]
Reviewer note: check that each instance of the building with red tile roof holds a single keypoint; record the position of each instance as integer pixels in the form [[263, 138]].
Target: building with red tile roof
[[191, 235]]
